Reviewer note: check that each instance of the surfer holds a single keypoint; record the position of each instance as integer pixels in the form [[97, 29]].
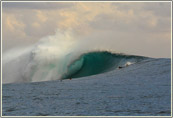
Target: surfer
[[119, 67], [70, 78], [127, 65]]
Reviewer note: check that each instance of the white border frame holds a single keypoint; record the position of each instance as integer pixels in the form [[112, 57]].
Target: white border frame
[[87, 116]]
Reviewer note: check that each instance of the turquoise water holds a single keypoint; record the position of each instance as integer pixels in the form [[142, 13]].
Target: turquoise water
[[98, 62]]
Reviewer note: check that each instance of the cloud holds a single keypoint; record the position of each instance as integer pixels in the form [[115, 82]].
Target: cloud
[[133, 26]]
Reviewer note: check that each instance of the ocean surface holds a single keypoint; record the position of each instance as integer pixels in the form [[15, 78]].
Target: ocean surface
[[142, 88]]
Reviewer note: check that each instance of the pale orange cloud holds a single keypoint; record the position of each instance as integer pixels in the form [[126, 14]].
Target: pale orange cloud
[[142, 23]]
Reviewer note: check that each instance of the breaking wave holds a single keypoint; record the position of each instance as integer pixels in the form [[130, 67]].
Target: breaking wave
[[60, 56]]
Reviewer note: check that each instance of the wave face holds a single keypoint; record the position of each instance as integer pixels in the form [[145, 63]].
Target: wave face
[[92, 63]]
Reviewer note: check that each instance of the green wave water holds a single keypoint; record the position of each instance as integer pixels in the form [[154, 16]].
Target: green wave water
[[93, 63]]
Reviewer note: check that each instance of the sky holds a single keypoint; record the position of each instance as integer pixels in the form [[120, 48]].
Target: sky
[[140, 28]]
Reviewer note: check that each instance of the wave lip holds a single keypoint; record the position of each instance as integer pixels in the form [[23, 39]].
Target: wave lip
[[97, 62]]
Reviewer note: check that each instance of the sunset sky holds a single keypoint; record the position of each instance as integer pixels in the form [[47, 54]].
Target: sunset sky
[[140, 28]]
